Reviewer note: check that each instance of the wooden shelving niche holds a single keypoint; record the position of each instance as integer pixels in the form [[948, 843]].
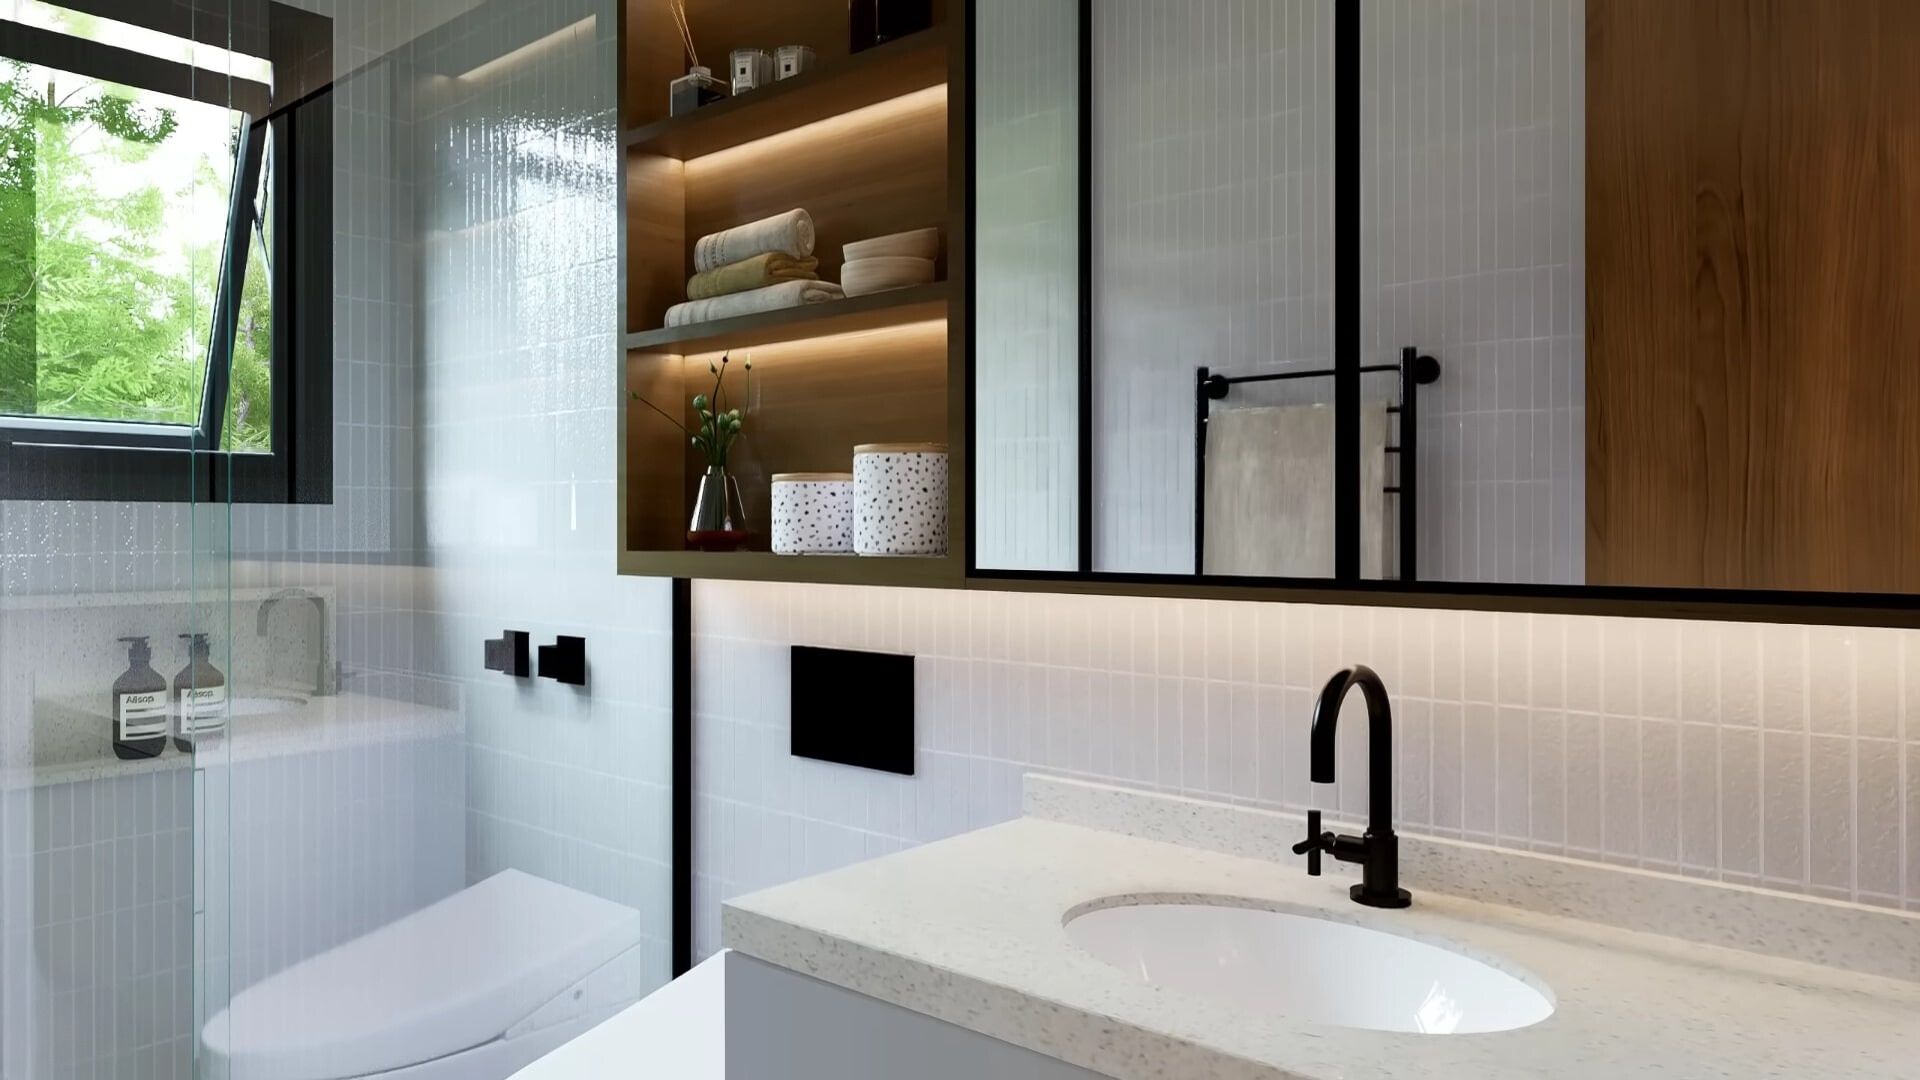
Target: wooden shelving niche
[[868, 143]]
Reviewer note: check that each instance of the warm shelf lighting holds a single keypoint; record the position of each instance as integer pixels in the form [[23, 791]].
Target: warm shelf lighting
[[926, 333], [891, 111], [507, 61]]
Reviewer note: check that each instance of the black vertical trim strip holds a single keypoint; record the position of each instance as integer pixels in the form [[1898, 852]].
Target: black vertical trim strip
[[281, 307], [969, 299], [311, 454], [1085, 298], [682, 776], [1409, 467], [1346, 290], [1201, 411]]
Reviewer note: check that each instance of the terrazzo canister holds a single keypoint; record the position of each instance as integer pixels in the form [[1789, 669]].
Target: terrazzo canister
[[812, 513], [900, 499]]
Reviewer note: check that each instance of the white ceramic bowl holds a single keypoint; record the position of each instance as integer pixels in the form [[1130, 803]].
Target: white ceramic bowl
[[863, 276], [912, 244]]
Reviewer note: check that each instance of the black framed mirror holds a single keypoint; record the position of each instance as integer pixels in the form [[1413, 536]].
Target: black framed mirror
[[1546, 301]]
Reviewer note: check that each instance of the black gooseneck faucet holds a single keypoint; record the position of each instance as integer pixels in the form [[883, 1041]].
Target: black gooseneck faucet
[[1378, 852]]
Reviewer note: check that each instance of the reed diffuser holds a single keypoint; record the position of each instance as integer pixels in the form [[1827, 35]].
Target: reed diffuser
[[698, 86]]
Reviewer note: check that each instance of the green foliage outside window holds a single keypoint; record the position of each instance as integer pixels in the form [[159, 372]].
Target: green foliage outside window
[[108, 273]]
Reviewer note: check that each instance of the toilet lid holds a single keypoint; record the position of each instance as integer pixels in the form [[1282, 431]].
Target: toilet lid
[[446, 978]]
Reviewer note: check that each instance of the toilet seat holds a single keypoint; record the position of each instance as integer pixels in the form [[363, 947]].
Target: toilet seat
[[514, 957]]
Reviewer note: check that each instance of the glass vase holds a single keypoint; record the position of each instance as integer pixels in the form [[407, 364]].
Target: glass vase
[[719, 515]]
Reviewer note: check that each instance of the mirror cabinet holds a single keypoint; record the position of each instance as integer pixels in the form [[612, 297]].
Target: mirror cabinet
[[1554, 300]]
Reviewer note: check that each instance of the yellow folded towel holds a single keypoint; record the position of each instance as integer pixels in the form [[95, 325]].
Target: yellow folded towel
[[766, 268]]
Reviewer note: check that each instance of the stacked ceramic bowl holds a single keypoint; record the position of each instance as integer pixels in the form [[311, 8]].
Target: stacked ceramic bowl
[[895, 261]]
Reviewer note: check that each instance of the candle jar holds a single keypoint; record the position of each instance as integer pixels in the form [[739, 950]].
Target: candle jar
[[752, 69]]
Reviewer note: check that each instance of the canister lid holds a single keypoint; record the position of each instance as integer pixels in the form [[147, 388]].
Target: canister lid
[[813, 478], [900, 448]]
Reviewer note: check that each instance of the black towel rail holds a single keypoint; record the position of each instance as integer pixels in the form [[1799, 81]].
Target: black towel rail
[[1415, 369]]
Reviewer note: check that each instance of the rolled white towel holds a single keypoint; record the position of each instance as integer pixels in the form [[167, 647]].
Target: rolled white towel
[[791, 232], [786, 294]]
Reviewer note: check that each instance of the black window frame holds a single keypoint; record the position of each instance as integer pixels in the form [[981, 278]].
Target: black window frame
[[95, 460]]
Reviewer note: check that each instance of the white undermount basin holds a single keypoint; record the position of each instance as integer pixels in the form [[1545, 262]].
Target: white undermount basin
[[1313, 969]]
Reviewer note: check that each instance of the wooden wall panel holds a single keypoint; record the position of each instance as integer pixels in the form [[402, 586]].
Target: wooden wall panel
[[657, 240], [1753, 239], [658, 504]]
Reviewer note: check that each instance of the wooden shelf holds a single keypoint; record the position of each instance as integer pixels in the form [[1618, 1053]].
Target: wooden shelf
[[895, 307], [878, 74], [933, 572]]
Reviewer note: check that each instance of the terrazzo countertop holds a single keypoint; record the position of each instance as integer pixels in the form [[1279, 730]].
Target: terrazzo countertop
[[970, 930], [71, 740]]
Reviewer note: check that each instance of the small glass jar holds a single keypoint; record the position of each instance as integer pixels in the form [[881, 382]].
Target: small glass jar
[[791, 60], [752, 69]]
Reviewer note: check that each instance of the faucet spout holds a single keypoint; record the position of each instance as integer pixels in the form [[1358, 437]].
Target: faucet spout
[[1378, 851], [1324, 751], [324, 679]]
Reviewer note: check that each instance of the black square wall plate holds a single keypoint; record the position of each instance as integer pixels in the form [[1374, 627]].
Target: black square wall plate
[[853, 708]]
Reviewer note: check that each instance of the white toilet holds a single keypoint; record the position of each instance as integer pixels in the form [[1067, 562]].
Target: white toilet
[[470, 988]]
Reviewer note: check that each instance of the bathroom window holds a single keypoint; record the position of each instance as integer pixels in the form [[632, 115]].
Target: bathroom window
[[165, 265]]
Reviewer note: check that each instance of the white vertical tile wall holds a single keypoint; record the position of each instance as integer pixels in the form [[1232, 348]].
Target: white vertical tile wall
[[1472, 194], [100, 903], [1026, 222], [515, 157], [1697, 748], [1213, 243]]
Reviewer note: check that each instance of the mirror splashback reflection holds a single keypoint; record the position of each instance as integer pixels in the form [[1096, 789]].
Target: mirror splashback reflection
[[1663, 315]]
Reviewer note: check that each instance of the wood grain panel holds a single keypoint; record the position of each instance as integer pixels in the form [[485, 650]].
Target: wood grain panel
[[873, 171], [656, 238], [1753, 395], [657, 501]]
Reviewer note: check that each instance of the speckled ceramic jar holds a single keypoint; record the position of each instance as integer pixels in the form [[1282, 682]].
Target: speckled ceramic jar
[[812, 513], [900, 499]]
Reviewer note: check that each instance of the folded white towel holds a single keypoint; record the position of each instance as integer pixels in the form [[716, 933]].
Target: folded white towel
[[786, 294], [791, 232]]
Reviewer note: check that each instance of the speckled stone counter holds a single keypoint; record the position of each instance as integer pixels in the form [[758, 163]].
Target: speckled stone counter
[[970, 930]]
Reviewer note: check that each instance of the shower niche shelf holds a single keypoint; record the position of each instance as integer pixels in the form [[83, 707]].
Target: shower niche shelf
[[868, 143]]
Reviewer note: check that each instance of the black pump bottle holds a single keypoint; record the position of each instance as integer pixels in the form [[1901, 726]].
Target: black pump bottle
[[139, 704]]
